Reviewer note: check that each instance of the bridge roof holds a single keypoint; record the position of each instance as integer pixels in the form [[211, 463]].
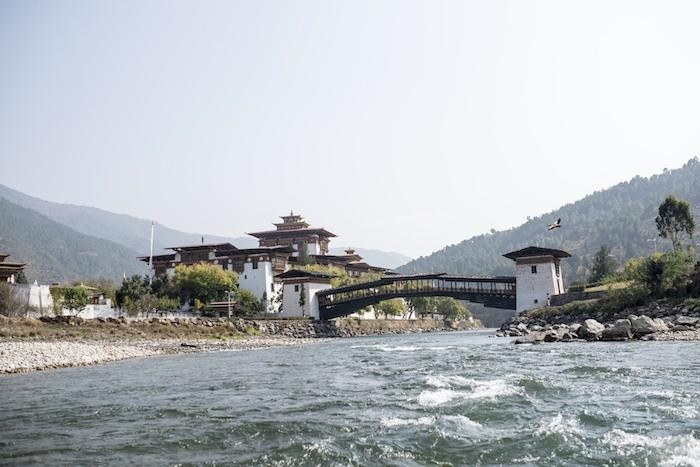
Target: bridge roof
[[536, 251]]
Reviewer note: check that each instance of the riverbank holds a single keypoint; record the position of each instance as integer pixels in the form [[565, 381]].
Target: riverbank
[[663, 321], [28, 344], [32, 355]]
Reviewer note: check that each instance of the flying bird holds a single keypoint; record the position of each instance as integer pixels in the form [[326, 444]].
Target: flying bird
[[555, 225]]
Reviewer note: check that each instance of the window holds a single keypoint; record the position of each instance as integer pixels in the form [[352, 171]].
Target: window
[[296, 288], [245, 276], [255, 265], [272, 287], [533, 269], [556, 267], [535, 300]]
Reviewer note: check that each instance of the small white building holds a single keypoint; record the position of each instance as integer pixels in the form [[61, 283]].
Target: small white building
[[297, 283], [538, 276]]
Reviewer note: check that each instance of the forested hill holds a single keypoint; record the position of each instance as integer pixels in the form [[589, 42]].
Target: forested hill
[[621, 217], [56, 253]]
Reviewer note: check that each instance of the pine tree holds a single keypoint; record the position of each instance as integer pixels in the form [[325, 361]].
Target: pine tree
[[603, 264]]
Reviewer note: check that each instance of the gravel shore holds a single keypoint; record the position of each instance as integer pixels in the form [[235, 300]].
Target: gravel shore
[[24, 356]]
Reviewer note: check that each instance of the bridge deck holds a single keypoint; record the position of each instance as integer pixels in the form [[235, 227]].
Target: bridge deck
[[496, 292]]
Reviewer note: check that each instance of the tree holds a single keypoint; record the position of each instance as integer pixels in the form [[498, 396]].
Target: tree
[[248, 303], [203, 282], [304, 258], [451, 309], [74, 299], [603, 264], [422, 306], [675, 221], [10, 304], [302, 299], [393, 307], [21, 278], [131, 290]]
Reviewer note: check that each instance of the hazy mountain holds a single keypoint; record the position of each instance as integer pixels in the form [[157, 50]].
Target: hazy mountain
[[129, 231], [621, 217], [385, 259], [56, 253], [132, 234]]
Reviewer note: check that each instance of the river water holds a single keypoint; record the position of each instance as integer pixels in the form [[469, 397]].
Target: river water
[[438, 399]]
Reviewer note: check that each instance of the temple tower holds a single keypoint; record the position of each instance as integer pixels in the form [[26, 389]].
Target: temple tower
[[538, 276]]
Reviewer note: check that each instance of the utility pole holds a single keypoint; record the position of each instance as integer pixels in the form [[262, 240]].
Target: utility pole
[[150, 258], [230, 296]]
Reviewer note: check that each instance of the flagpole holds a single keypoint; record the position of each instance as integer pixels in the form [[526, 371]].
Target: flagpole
[[150, 258]]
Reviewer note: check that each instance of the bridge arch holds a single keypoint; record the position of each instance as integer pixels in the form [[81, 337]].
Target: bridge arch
[[496, 292]]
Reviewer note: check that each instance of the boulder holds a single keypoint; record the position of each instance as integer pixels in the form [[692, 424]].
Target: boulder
[[643, 325], [621, 330], [590, 330], [687, 321], [660, 325], [552, 336], [531, 338], [574, 328]]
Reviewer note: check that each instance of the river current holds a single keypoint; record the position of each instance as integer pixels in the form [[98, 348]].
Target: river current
[[436, 399]]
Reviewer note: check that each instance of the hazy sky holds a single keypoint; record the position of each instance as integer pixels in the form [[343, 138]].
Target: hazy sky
[[399, 125]]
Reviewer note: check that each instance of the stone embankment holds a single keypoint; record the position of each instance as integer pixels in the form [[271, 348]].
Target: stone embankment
[[655, 322]]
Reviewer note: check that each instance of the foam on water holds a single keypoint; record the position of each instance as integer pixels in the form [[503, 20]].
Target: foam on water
[[559, 425], [389, 348], [463, 422], [395, 421], [677, 450], [490, 389], [439, 397]]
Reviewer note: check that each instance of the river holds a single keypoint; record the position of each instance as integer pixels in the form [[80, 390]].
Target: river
[[441, 399]]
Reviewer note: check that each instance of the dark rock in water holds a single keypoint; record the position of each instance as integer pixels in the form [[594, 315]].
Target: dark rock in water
[[590, 330], [529, 339], [621, 330]]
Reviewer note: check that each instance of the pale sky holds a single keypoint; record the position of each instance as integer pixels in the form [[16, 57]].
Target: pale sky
[[398, 125]]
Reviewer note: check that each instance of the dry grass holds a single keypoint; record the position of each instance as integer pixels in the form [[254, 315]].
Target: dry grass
[[34, 329]]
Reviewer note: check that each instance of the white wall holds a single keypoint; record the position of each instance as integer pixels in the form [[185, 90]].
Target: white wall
[[258, 281], [290, 304], [532, 289], [37, 297], [313, 248]]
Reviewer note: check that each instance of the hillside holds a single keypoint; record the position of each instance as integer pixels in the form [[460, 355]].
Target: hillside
[[129, 231], [56, 253], [621, 217]]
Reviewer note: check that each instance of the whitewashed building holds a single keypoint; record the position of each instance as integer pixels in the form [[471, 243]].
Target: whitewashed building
[[538, 276], [298, 283]]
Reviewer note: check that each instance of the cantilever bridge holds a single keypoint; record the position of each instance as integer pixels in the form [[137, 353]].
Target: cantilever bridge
[[496, 292]]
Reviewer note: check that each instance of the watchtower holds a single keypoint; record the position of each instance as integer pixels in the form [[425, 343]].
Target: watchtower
[[538, 276]]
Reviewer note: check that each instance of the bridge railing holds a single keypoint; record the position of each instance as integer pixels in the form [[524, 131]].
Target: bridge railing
[[437, 284]]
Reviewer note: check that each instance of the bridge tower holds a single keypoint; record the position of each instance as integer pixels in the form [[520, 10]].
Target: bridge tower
[[538, 276]]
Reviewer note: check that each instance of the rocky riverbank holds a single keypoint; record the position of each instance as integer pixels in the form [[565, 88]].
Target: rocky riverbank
[[652, 322], [23, 356], [28, 344]]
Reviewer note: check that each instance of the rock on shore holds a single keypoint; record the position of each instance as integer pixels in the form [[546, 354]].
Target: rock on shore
[[661, 323]]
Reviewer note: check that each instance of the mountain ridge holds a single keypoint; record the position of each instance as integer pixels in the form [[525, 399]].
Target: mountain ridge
[[621, 217]]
